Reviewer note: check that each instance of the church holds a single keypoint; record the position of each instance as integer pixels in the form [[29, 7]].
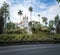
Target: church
[[25, 24]]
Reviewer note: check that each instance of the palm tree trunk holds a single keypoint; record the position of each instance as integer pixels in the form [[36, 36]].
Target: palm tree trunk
[[20, 17], [30, 16], [39, 19]]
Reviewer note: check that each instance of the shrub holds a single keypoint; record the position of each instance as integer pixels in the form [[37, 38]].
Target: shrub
[[28, 37], [16, 31], [7, 37]]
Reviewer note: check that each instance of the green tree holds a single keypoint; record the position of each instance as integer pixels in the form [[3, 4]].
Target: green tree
[[30, 9], [10, 25], [4, 12], [1, 22], [51, 23], [56, 19], [57, 22], [58, 2], [36, 27], [20, 13], [44, 20], [58, 27], [39, 17]]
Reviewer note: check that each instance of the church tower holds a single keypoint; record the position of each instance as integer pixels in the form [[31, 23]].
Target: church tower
[[25, 21], [26, 24]]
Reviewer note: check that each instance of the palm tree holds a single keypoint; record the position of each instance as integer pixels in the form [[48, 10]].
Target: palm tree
[[56, 19], [39, 17], [30, 9], [44, 20], [20, 13]]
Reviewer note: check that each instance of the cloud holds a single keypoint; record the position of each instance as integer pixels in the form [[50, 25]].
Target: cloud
[[43, 6], [14, 12], [50, 11], [30, 1], [1, 1]]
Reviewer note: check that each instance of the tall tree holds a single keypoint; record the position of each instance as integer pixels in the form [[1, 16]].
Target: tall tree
[[5, 13], [57, 23], [56, 19], [39, 17], [30, 9], [1, 22], [44, 20], [20, 13], [58, 27]]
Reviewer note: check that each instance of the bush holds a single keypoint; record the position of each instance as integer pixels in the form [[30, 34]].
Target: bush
[[16, 31], [19, 38], [7, 37]]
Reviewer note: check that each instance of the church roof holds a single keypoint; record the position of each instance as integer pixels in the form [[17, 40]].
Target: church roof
[[21, 22]]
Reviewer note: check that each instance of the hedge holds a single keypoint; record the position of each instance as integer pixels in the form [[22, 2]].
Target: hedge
[[27, 37]]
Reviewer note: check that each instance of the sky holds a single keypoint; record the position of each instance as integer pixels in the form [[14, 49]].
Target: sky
[[46, 8]]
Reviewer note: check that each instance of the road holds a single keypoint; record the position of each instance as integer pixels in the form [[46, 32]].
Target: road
[[38, 49]]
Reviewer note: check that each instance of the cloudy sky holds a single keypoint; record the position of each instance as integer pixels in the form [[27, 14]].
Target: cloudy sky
[[46, 8]]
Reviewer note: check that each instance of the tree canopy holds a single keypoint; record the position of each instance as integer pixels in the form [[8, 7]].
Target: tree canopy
[[58, 1], [10, 25], [44, 20]]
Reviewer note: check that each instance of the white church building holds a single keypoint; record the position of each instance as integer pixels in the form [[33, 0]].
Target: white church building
[[25, 24]]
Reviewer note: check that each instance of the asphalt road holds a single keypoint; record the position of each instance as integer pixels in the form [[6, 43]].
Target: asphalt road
[[39, 49]]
